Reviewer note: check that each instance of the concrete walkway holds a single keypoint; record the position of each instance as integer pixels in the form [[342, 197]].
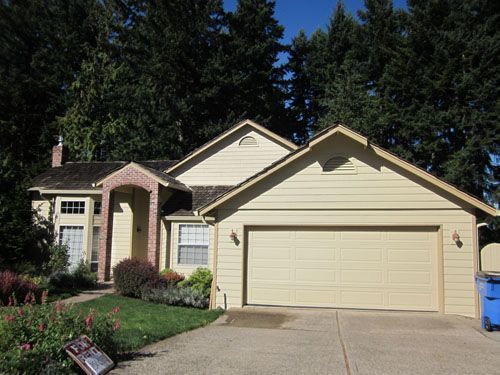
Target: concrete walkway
[[316, 341], [88, 295]]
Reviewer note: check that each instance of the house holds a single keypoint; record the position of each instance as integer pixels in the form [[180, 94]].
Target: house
[[337, 222]]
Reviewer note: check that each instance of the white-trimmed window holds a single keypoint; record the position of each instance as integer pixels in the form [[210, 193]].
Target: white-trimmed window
[[193, 244], [72, 236], [73, 207]]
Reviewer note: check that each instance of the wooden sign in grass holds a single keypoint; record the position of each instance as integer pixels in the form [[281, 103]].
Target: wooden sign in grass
[[91, 359]]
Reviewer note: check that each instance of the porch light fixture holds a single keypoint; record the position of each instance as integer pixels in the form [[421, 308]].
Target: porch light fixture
[[233, 236], [455, 236]]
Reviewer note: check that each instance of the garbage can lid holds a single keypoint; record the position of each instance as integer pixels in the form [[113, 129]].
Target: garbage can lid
[[493, 274]]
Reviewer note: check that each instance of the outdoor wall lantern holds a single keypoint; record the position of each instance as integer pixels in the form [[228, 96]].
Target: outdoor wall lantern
[[455, 237], [233, 236]]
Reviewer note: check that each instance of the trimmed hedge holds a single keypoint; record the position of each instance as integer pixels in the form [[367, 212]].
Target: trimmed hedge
[[178, 296], [130, 275]]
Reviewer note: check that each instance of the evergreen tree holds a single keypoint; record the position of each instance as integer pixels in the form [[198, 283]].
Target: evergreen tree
[[300, 88], [40, 53], [444, 88], [94, 126], [252, 51]]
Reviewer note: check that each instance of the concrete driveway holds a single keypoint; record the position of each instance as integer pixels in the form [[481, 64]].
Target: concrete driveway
[[310, 341]]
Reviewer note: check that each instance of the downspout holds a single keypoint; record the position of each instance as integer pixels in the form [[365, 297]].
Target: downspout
[[213, 288]]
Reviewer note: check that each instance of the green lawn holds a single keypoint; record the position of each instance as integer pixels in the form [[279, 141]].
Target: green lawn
[[143, 323]]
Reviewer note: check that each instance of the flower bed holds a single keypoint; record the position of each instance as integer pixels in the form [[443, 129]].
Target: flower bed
[[33, 336]]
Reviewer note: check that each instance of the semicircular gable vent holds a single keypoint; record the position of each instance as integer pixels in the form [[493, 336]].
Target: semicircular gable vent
[[248, 141], [339, 164]]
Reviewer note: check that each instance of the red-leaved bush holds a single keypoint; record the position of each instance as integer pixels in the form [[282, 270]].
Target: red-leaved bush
[[130, 275], [171, 277], [15, 289]]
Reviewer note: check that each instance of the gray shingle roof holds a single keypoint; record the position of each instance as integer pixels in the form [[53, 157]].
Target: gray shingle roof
[[183, 204]]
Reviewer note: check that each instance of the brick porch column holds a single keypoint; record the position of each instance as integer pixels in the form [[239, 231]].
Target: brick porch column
[[154, 226], [105, 234]]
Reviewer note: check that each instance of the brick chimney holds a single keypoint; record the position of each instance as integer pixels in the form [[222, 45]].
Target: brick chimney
[[58, 154]]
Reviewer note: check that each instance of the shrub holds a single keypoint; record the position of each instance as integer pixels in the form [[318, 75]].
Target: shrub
[[130, 275], [58, 259], [14, 288], [170, 277], [83, 277], [183, 296], [79, 279], [33, 337], [200, 281]]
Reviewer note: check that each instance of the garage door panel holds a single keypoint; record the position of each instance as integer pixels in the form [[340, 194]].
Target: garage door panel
[[306, 297], [416, 278], [271, 274], [272, 296], [361, 235], [271, 252], [362, 299], [402, 256], [348, 267], [361, 255], [411, 300], [315, 275], [361, 277], [315, 253]]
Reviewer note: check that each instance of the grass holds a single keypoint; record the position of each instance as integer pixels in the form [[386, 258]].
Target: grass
[[143, 322]]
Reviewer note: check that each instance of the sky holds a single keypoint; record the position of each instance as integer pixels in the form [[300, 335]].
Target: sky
[[308, 14]]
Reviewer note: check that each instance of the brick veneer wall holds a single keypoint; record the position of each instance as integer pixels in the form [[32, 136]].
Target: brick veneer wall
[[128, 176]]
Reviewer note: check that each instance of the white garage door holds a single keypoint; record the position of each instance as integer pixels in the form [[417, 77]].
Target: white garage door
[[330, 267]]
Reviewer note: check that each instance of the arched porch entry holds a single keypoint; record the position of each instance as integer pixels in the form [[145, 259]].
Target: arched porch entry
[[132, 198]]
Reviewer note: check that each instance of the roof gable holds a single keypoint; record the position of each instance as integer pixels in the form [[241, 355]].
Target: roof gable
[[259, 128], [384, 154], [161, 177]]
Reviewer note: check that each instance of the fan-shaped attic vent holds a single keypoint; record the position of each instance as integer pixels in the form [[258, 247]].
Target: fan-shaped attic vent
[[340, 165], [248, 141]]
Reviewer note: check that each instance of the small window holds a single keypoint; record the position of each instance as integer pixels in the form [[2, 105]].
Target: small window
[[94, 259], [97, 208], [248, 141], [193, 244], [72, 207], [339, 165]]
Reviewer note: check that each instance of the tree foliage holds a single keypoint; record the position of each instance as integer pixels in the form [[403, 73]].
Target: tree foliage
[[137, 79]]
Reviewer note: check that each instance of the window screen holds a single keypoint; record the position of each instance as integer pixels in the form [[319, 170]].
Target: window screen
[[193, 244], [72, 235], [94, 260], [73, 207]]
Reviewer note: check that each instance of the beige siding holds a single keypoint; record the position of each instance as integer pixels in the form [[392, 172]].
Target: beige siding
[[228, 163], [122, 227], [378, 195], [183, 268]]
